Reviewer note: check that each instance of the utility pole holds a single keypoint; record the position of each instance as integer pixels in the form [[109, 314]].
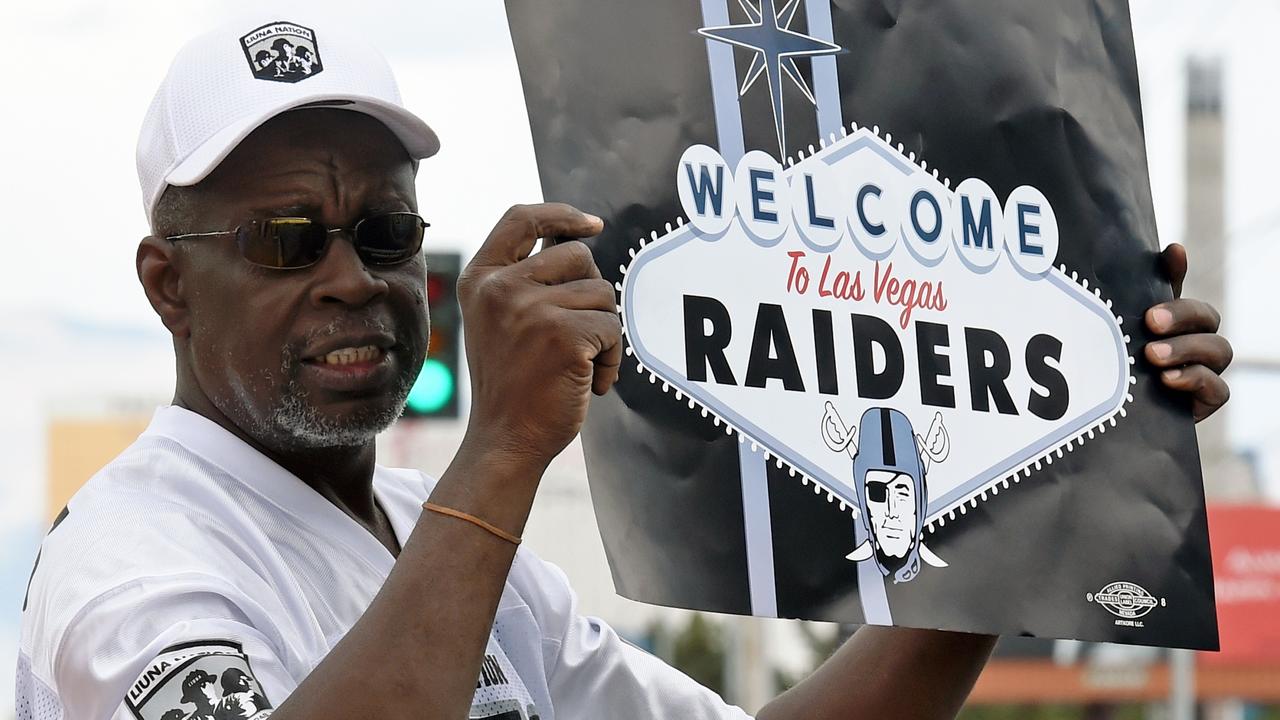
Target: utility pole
[[748, 673], [1226, 476]]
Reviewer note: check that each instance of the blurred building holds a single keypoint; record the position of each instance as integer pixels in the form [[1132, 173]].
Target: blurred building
[[1227, 475], [79, 446]]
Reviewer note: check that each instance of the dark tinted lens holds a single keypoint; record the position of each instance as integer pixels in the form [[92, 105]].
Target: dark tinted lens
[[877, 491], [389, 239], [283, 242]]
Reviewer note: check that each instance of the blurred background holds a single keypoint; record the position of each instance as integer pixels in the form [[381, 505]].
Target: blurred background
[[83, 362]]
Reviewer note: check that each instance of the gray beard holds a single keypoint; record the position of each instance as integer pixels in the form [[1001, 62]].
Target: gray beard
[[295, 420]]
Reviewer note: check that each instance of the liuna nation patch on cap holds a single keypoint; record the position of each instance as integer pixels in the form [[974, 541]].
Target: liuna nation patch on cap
[[283, 52], [200, 680]]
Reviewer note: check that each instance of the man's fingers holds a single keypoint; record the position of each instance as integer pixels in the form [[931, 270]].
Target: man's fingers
[[515, 235], [1174, 260], [603, 330], [594, 307], [1178, 317], [590, 294], [1208, 390], [1212, 351], [561, 263], [608, 365]]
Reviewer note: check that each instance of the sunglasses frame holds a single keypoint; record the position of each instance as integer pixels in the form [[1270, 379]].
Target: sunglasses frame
[[240, 233]]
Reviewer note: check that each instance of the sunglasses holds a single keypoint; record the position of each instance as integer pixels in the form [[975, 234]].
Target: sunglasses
[[292, 243]]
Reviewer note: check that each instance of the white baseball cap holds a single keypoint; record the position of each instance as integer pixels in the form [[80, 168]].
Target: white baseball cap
[[225, 84]]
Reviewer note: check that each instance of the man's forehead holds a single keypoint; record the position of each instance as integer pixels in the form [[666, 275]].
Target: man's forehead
[[323, 131], [295, 156], [297, 163]]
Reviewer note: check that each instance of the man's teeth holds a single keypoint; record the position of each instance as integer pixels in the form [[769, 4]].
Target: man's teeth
[[346, 356]]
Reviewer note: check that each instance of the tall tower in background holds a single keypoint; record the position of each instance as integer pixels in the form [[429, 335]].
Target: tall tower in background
[[1226, 476]]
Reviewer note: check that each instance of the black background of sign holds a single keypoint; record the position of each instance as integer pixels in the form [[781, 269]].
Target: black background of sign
[[1004, 90]]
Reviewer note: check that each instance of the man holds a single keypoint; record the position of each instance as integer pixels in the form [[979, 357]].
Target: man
[[304, 59], [239, 699], [262, 59], [285, 57], [250, 526], [198, 689]]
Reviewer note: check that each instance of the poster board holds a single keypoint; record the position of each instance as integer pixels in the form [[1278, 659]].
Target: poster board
[[882, 268]]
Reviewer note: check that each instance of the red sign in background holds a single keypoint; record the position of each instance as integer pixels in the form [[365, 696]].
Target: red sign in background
[[1245, 541]]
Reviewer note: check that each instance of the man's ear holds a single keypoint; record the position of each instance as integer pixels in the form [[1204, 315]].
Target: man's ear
[[160, 274]]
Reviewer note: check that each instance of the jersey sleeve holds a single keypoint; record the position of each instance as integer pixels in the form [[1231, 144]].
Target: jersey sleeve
[[590, 667], [177, 648]]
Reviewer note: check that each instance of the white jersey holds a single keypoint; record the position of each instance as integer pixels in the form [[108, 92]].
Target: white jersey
[[193, 578]]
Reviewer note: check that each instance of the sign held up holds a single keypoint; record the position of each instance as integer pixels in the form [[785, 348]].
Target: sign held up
[[883, 310]]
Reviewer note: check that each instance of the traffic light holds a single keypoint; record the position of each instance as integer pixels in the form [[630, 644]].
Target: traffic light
[[435, 393]]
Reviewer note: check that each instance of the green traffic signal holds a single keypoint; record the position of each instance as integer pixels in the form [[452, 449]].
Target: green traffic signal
[[432, 390], [435, 392]]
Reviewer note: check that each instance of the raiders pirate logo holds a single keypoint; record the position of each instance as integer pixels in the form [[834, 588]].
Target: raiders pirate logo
[[283, 52]]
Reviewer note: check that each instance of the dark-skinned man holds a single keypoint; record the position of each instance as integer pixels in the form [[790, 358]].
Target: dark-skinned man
[[249, 531]]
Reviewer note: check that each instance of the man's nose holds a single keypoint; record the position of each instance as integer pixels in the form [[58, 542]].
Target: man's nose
[[342, 277]]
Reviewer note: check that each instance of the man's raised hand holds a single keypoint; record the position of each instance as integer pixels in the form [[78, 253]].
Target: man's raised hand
[[542, 331]]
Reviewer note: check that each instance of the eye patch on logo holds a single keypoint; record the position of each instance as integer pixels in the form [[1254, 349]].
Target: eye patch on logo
[[877, 492]]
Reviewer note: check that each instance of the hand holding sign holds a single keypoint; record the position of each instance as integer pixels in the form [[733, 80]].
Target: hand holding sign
[[541, 331], [1194, 355]]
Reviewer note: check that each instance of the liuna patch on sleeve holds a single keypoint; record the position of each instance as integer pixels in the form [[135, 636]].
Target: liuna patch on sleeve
[[201, 680]]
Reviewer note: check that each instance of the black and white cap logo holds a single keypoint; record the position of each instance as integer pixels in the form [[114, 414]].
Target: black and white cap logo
[[203, 680], [282, 51]]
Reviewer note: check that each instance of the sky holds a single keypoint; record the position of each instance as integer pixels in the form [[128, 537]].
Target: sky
[[79, 75]]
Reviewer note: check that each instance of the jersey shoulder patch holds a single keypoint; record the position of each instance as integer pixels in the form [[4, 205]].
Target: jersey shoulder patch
[[201, 680]]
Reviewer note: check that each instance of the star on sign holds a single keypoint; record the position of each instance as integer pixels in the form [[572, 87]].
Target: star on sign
[[776, 47]]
